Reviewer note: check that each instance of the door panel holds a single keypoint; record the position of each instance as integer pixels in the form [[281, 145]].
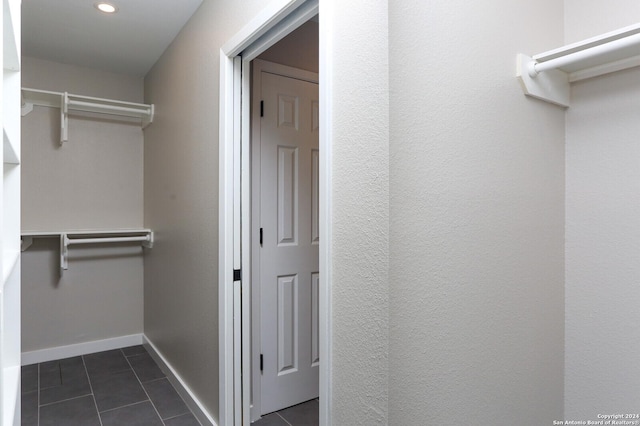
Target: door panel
[[315, 319], [289, 254], [287, 195], [315, 196], [287, 324]]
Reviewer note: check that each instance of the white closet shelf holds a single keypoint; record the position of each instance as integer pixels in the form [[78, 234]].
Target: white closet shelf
[[11, 28], [67, 238], [69, 102], [548, 75], [10, 152], [9, 261], [10, 391]]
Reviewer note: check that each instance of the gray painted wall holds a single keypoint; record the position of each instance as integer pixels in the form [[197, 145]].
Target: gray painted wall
[[299, 49], [94, 181], [181, 196], [477, 217], [603, 207]]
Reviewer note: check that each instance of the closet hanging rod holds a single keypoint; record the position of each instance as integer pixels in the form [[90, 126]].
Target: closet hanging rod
[[547, 76], [106, 109], [535, 67], [65, 242], [70, 241]]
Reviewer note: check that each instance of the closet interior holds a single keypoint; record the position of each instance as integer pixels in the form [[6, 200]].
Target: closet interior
[[83, 232]]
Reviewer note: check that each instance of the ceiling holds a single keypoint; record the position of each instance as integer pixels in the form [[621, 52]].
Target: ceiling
[[129, 41]]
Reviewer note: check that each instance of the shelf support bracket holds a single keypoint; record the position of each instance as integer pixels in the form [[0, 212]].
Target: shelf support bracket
[[26, 108], [64, 253], [25, 243], [551, 86], [64, 118]]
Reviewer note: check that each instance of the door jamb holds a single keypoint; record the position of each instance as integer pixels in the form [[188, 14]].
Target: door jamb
[[273, 23]]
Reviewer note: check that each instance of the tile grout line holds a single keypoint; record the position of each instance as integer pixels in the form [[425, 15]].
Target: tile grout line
[[143, 388], [65, 400], [95, 403], [124, 406], [285, 420]]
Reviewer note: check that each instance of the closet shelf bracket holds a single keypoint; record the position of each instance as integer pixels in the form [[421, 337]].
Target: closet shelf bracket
[[548, 76], [68, 102]]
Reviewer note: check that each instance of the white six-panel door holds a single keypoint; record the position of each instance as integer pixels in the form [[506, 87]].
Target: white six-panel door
[[289, 251]]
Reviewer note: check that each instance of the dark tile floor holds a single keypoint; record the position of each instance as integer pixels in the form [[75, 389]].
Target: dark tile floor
[[112, 388], [305, 414]]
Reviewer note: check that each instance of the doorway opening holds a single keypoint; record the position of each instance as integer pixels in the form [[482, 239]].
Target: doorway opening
[[285, 229], [236, 272]]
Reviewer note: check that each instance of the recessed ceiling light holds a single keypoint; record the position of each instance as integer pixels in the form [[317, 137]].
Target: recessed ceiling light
[[106, 7]]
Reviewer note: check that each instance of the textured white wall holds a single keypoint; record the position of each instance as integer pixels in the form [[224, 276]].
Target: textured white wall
[[93, 182], [355, 35], [602, 227], [477, 217]]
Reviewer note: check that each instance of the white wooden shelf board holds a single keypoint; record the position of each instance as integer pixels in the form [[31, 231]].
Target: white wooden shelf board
[[11, 27], [9, 261], [68, 102], [11, 117], [87, 103], [11, 156], [88, 232]]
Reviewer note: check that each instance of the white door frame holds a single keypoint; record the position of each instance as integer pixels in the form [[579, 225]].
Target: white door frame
[[277, 20]]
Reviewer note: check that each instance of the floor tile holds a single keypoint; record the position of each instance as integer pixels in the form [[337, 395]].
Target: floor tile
[[145, 367], [165, 398], [73, 390], [183, 420], [50, 374], [270, 420], [74, 412], [107, 362], [134, 350], [141, 414], [63, 379], [117, 390], [306, 414], [29, 378], [29, 409]]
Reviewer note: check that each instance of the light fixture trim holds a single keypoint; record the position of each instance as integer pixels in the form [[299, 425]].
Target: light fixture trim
[[105, 7]]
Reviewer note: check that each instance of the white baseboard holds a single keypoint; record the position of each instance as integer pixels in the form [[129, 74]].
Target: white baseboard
[[181, 387], [61, 352]]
